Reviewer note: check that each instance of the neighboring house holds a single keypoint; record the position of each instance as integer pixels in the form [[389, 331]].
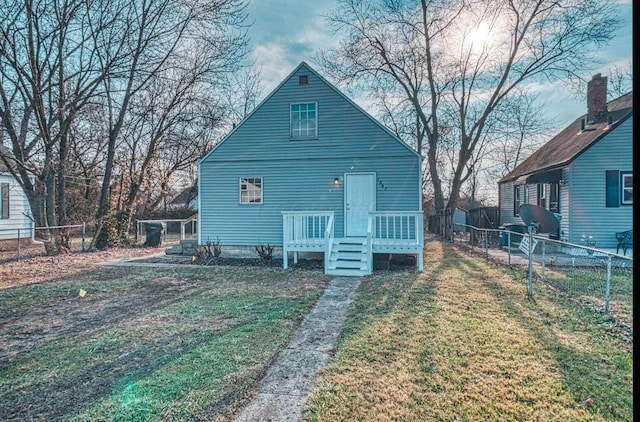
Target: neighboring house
[[584, 173], [310, 171], [186, 199], [14, 206]]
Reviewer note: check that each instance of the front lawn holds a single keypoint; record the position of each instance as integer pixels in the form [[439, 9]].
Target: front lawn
[[145, 344], [462, 342]]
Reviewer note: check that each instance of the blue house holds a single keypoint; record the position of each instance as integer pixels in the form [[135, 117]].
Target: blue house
[[310, 171], [584, 173]]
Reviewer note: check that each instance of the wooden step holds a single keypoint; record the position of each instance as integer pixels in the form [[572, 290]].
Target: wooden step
[[348, 264], [350, 247], [349, 256], [345, 272]]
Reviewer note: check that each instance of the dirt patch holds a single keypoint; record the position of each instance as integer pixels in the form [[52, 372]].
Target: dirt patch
[[39, 269], [147, 301]]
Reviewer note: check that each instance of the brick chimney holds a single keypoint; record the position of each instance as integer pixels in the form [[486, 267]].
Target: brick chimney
[[596, 99]]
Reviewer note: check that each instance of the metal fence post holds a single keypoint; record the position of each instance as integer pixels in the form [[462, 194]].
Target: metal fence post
[[472, 237], [486, 244], [509, 246], [18, 244], [607, 291], [543, 255], [530, 283], [84, 232]]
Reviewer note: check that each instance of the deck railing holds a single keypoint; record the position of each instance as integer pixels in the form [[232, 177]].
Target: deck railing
[[398, 232], [397, 228], [387, 232], [304, 231]]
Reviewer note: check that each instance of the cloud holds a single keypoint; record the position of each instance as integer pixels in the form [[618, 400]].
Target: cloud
[[272, 60], [285, 33]]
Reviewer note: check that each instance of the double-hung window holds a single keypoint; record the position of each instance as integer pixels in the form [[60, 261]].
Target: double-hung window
[[251, 190], [618, 188], [304, 121], [520, 196], [627, 188], [4, 200]]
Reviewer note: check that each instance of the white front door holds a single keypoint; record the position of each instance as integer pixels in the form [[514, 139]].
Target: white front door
[[359, 201]]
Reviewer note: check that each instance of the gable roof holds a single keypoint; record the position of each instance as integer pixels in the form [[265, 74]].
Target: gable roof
[[186, 195], [340, 93], [569, 143], [7, 153]]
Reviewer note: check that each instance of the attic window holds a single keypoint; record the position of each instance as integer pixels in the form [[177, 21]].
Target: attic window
[[303, 80], [304, 121]]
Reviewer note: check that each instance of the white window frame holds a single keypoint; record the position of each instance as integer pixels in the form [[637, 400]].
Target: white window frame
[[240, 190], [623, 188], [299, 128]]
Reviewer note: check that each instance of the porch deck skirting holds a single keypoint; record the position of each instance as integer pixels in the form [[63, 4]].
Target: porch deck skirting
[[399, 232]]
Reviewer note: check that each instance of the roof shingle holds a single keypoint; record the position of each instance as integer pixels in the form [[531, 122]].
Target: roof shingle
[[571, 141]]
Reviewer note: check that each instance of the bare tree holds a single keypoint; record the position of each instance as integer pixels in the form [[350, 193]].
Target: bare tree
[[48, 73], [75, 74], [156, 33], [620, 79], [455, 61]]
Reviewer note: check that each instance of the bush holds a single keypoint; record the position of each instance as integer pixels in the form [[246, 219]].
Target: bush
[[208, 252], [265, 252], [114, 232]]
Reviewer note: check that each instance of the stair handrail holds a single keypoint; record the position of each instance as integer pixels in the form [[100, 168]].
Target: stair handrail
[[184, 223], [328, 236], [369, 243]]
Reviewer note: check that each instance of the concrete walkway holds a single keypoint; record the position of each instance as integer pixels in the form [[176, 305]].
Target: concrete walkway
[[283, 391]]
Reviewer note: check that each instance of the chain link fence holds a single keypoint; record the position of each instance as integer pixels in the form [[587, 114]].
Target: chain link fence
[[26, 242], [597, 279]]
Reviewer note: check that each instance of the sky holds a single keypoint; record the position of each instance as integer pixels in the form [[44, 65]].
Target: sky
[[286, 32]]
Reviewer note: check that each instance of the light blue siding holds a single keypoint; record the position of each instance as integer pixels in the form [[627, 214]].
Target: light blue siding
[[589, 216], [298, 175], [343, 130]]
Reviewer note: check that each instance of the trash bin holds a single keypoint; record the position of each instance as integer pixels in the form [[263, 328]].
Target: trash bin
[[153, 233], [515, 238]]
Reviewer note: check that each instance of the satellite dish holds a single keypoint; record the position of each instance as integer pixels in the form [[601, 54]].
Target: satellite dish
[[541, 219]]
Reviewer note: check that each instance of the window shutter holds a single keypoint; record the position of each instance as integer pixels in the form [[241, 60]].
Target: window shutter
[[612, 190], [4, 193]]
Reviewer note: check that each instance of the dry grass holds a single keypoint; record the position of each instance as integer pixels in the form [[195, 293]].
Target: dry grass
[[145, 343], [462, 342], [41, 268]]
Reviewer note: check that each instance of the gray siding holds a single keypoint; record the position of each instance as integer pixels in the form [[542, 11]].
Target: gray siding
[[506, 204], [298, 175], [589, 216]]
